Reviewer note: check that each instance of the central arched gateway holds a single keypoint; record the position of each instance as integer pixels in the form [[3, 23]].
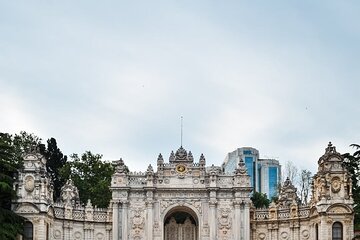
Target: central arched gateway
[[181, 223]]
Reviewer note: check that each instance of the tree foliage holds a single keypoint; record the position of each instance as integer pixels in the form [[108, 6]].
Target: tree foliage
[[24, 143], [91, 176], [352, 164], [55, 160], [260, 200], [11, 224]]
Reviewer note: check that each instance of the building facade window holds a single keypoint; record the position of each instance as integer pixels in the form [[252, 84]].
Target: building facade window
[[28, 231], [273, 177], [249, 163], [337, 231], [316, 232]]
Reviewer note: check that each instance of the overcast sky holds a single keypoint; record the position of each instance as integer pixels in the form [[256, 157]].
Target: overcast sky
[[114, 77]]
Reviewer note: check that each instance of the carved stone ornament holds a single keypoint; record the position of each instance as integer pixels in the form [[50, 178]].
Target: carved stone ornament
[[29, 184], [57, 234], [77, 235], [284, 235], [305, 234], [335, 185], [224, 220], [262, 235], [100, 236], [27, 208], [69, 193], [338, 210], [181, 168], [119, 165], [138, 221]]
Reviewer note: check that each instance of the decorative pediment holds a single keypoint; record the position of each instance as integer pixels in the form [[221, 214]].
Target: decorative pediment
[[27, 208], [181, 155], [338, 209]]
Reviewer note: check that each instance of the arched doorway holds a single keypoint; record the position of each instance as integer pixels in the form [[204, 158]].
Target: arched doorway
[[181, 223]]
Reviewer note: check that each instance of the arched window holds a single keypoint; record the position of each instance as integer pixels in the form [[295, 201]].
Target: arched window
[[28, 231], [337, 231], [316, 231]]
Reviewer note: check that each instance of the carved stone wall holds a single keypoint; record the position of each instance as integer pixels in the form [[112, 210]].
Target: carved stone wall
[[331, 202], [219, 203]]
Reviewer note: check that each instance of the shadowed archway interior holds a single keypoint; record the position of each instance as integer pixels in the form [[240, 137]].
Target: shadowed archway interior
[[181, 224]]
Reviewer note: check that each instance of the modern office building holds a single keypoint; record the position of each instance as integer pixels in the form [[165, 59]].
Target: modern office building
[[269, 172], [264, 173]]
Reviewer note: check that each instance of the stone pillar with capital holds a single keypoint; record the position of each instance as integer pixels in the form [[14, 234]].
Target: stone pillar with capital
[[246, 221], [150, 220], [115, 222], [212, 219], [237, 221], [323, 229], [125, 220]]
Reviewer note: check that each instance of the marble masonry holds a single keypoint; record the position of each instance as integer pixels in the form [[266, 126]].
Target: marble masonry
[[185, 199]]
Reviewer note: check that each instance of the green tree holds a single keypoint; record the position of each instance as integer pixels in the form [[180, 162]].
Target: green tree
[[352, 164], [91, 176], [260, 200], [24, 143], [55, 160], [11, 224]]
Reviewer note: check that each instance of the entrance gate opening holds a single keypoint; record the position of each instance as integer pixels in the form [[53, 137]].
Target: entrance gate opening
[[181, 224]]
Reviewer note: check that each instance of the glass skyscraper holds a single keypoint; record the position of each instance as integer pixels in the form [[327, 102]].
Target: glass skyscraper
[[264, 173]]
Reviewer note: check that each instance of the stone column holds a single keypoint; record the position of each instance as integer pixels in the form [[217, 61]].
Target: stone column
[[212, 220], [238, 225], [39, 228], [150, 220], [124, 220], [115, 222], [323, 229], [246, 221]]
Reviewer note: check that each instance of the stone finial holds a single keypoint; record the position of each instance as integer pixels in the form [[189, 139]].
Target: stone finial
[[330, 148], [330, 155], [150, 170], [288, 194], [89, 210], [181, 154], [190, 156], [202, 160], [160, 159], [69, 193], [119, 165], [172, 156], [241, 168], [88, 204]]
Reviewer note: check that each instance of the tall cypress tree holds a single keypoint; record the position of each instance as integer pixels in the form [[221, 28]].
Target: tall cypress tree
[[55, 161]]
